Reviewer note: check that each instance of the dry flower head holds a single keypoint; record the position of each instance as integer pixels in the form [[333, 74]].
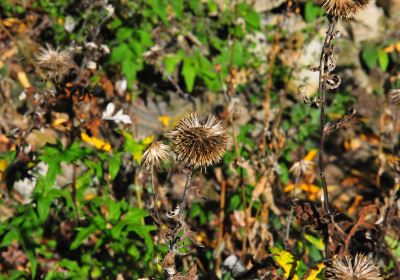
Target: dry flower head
[[55, 63], [302, 168], [199, 143], [344, 8], [154, 155], [359, 267]]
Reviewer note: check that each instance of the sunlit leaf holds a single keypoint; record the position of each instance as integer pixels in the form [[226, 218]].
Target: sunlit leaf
[[96, 142]]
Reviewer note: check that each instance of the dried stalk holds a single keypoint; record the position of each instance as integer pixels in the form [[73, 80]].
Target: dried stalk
[[157, 217], [291, 214], [182, 207], [220, 228], [327, 50]]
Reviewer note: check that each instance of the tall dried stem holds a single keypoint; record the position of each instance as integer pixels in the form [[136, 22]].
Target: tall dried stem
[[327, 50], [182, 207]]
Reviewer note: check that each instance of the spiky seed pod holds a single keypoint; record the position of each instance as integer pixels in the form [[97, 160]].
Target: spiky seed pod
[[55, 64], [199, 143], [359, 267], [154, 155], [344, 8]]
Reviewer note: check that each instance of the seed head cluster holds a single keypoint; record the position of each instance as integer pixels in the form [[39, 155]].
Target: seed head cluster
[[55, 63], [154, 155], [359, 267], [199, 143], [344, 8]]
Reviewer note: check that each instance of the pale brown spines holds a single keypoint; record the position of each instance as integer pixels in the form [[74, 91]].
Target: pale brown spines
[[154, 155], [344, 8], [359, 267], [199, 143], [54, 63]]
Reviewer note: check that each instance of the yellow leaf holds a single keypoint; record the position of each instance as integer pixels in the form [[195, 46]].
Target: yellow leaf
[[164, 120], [89, 196], [311, 155], [289, 187], [308, 188], [285, 261], [96, 142], [146, 141], [3, 165], [23, 79], [313, 272]]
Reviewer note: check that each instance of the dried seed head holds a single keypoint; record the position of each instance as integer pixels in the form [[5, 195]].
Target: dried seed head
[[348, 268], [154, 155], [199, 143], [301, 168], [395, 96], [56, 64], [344, 8]]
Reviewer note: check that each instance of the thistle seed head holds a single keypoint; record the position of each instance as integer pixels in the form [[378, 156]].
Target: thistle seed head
[[154, 155], [199, 143], [359, 267], [344, 8], [55, 64]]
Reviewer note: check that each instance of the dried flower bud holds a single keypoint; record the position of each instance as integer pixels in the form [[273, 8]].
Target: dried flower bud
[[359, 267], [56, 64], [199, 143], [344, 8], [301, 168], [154, 155]]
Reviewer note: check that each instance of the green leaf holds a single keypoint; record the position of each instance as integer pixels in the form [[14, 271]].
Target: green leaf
[[43, 208], [124, 33], [383, 59], [285, 260], [114, 164], [370, 56], [253, 19], [170, 62], [82, 235], [312, 11], [134, 252], [178, 7], [121, 53], [189, 73], [317, 242], [160, 9], [9, 238]]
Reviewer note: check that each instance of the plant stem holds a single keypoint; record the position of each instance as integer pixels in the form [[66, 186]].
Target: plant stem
[[155, 202], [290, 218], [182, 207], [220, 228], [323, 71]]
